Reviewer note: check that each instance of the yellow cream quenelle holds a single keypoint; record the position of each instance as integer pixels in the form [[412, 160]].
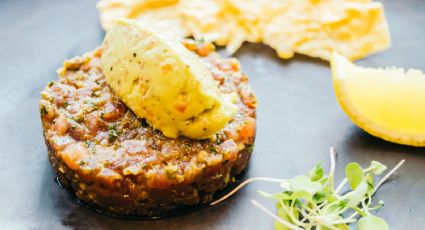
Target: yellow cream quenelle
[[163, 82]]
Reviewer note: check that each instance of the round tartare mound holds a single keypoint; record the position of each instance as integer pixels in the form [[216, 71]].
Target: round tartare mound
[[113, 160]]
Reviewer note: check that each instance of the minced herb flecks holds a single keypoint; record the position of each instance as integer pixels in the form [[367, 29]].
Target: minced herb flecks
[[212, 149], [43, 110], [143, 123], [112, 133], [89, 144], [79, 119]]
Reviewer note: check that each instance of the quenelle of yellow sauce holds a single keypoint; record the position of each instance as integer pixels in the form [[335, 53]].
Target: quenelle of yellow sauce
[[162, 81]]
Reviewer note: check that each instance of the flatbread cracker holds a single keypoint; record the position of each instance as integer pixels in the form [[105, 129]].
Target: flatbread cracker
[[353, 28]]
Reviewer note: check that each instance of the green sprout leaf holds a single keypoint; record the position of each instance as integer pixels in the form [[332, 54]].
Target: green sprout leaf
[[370, 184], [356, 196], [316, 173], [304, 183], [286, 185], [377, 168], [279, 226], [354, 174], [285, 216], [320, 197], [372, 223], [335, 207], [276, 196], [302, 195]]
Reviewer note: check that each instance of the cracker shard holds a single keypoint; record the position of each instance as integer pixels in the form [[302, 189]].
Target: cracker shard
[[353, 28]]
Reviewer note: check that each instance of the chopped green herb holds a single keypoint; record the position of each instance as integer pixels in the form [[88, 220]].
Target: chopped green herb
[[212, 149], [249, 148], [82, 163], [143, 123], [51, 83], [79, 119], [200, 40], [92, 104], [112, 133], [186, 148], [43, 110], [88, 144]]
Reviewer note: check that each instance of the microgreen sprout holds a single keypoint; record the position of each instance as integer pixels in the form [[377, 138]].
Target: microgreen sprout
[[312, 202]]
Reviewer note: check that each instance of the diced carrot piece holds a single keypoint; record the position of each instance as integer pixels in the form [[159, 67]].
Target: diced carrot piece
[[247, 132]]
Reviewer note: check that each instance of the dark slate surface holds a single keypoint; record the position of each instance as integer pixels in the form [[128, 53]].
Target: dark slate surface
[[298, 120]]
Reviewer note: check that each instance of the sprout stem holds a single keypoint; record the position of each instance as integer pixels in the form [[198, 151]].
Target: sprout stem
[[330, 181], [353, 215], [243, 184], [341, 185], [280, 220], [344, 221], [382, 181]]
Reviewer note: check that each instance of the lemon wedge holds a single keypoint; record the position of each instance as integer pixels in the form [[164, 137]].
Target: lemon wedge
[[387, 103]]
